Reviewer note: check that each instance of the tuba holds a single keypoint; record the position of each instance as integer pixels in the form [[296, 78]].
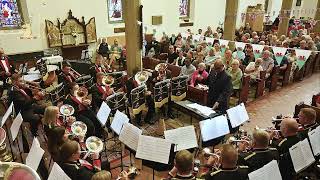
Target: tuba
[[141, 77]]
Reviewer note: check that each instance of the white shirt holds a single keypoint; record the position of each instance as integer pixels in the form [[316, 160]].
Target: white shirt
[[256, 73]]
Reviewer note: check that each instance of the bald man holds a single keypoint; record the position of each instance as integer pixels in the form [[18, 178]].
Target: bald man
[[229, 168], [220, 87], [260, 153]]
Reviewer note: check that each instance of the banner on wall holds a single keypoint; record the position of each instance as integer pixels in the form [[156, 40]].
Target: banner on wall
[[223, 44], [257, 50], [209, 40], [279, 53], [240, 44], [302, 56]]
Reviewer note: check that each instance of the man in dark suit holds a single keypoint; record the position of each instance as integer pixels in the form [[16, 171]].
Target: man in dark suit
[[104, 48], [98, 67], [100, 91], [25, 102], [220, 87]]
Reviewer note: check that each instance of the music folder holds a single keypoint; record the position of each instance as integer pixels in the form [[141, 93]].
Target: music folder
[[103, 113], [268, 171], [35, 155], [237, 115], [214, 128], [301, 155], [184, 137], [6, 115], [118, 121], [314, 137]]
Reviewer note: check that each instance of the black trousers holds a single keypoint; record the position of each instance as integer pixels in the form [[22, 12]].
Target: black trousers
[[94, 127], [32, 115]]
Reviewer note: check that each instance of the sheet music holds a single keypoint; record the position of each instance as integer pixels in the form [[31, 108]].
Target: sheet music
[[153, 149], [184, 137], [237, 115], [57, 173], [118, 121], [103, 113], [130, 135], [207, 111], [35, 154], [214, 128], [7, 114], [16, 126], [267, 172], [314, 137], [301, 155]]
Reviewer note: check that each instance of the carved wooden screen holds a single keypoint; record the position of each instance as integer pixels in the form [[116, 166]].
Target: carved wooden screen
[[73, 31], [91, 31], [53, 34]]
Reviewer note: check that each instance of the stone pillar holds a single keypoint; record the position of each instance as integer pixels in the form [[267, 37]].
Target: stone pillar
[[230, 21], [284, 17], [131, 16], [317, 18]]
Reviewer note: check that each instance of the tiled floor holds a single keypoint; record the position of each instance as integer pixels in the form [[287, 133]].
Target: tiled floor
[[282, 101]]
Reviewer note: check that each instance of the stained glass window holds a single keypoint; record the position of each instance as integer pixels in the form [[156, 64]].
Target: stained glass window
[[10, 16], [184, 8]]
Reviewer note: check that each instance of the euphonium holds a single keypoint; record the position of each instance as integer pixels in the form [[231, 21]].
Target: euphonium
[[94, 144]]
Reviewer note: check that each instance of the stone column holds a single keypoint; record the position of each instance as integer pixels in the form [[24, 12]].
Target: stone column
[[230, 20], [317, 18], [284, 17], [131, 16]]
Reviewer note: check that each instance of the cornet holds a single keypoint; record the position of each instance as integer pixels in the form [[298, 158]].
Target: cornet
[[207, 153]]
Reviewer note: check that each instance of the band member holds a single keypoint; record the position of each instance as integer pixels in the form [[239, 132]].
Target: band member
[[25, 102], [100, 91], [67, 75], [6, 70], [260, 154], [289, 129], [56, 138], [162, 74], [229, 168], [220, 87], [52, 119], [75, 167], [307, 119], [83, 111], [131, 83], [183, 166], [98, 67]]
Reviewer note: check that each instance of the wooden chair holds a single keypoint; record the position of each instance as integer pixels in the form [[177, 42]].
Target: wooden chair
[[274, 78]]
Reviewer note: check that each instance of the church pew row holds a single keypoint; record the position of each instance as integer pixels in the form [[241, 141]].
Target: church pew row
[[274, 78], [261, 82]]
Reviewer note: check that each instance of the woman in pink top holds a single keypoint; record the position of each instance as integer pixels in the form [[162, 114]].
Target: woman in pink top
[[199, 76]]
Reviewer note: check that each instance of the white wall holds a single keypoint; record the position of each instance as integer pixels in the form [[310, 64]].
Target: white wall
[[305, 5]]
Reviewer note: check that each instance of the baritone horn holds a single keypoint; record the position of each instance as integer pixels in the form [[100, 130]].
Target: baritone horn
[[141, 77]]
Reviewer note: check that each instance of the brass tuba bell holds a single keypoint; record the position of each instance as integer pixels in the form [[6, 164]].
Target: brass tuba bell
[[5, 155]]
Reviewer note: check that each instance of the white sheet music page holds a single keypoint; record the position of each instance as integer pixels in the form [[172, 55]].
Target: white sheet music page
[[103, 113], [7, 114], [153, 149], [184, 137], [57, 173], [16, 126], [243, 113], [301, 155], [118, 121], [314, 137], [213, 128], [237, 115], [267, 172], [35, 154], [207, 111], [129, 136]]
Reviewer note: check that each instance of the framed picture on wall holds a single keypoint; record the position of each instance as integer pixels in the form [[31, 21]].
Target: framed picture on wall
[[115, 13], [298, 3], [184, 9]]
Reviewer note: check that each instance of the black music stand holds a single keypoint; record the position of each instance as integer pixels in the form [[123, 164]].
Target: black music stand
[[42, 67], [161, 94], [179, 87], [57, 94], [138, 99], [117, 101], [86, 81]]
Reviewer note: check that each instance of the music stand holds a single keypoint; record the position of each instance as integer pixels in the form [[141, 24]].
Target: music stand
[[117, 101], [138, 99], [86, 55], [161, 94], [42, 67], [57, 94], [179, 88], [86, 81]]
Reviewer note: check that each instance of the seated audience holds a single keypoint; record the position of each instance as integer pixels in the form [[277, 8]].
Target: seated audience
[[267, 62], [172, 55], [254, 69], [210, 57], [259, 154], [236, 74], [199, 76], [180, 60], [239, 54], [183, 166], [179, 42], [229, 168], [188, 68], [227, 59], [103, 49]]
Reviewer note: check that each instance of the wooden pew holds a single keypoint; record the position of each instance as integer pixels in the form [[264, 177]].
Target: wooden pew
[[244, 91], [197, 95], [175, 70], [286, 75], [261, 84], [308, 66], [316, 66], [274, 78], [301, 105]]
